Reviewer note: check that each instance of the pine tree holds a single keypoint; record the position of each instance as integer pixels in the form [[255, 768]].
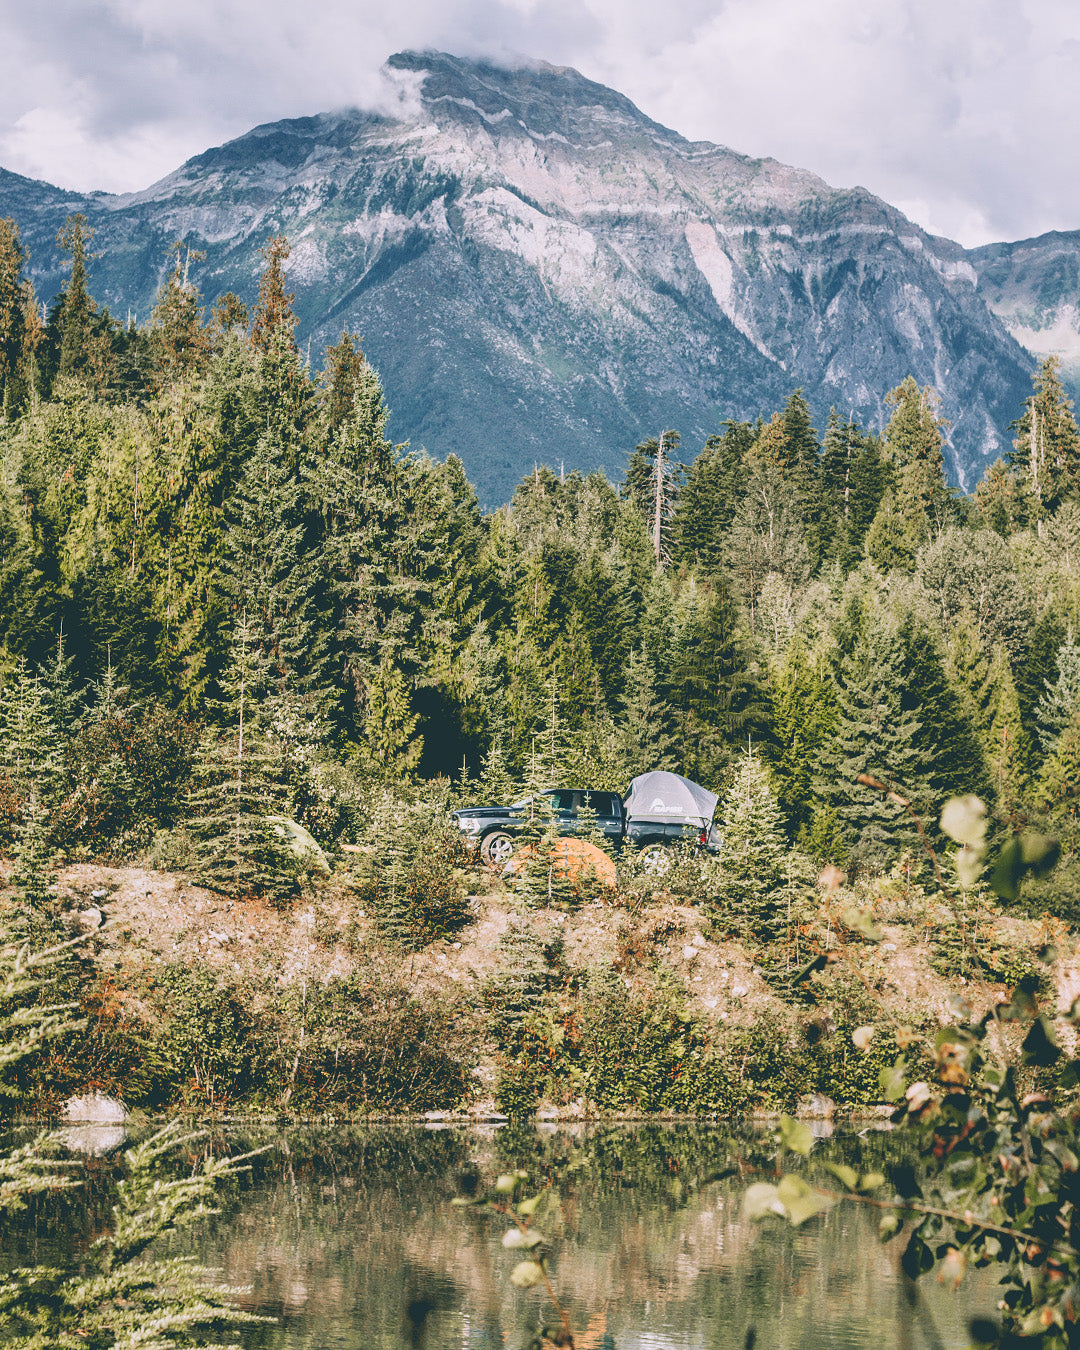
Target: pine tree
[[913, 444], [1006, 744], [645, 739], [715, 685], [390, 745], [180, 343], [235, 794], [947, 735], [875, 736], [805, 476], [1046, 448], [274, 317], [870, 477], [839, 451], [20, 328], [1036, 664], [715, 485], [803, 716], [754, 849], [969, 670], [497, 785], [1061, 698], [1057, 790], [1003, 502], [29, 739], [767, 535], [893, 539], [85, 351]]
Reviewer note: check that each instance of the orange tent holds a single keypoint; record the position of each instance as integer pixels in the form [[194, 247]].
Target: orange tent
[[575, 859]]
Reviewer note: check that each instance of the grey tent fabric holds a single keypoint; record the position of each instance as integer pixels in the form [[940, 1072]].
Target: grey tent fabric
[[664, 797]]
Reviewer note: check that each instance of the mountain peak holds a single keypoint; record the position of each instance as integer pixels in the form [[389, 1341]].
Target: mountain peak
[[544, 101]]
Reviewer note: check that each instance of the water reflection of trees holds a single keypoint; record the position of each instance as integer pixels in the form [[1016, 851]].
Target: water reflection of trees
[[349, 1238]]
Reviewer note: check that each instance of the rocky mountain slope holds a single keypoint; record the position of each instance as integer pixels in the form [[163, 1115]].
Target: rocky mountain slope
[[541, 273], [1033, 286]]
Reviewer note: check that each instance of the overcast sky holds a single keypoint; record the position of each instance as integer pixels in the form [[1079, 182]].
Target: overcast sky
[[963, 113]]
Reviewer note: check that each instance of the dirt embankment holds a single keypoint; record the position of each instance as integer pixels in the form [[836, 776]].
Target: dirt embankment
[[140, 918]]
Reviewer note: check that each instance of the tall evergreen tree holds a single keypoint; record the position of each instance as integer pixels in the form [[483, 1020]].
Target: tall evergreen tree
[[180, 342], [714, 683], [20, 328], [767, 535], [1046, 447], [913, 444], [1061, 698], [645, 720], [84, 347], [274, 313], [804, 712], [947, 735], [876, 736], [1007, 747], [747, 897], [805, 476], [715, 485]]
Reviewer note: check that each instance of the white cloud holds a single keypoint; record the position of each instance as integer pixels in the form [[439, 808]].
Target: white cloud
[[966, 110]]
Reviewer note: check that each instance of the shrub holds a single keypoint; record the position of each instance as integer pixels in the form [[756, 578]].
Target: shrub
[[207, 1036], [373, 1046], [126, 776]]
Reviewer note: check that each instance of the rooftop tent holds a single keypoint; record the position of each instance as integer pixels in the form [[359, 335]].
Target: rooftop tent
[[662, 797]]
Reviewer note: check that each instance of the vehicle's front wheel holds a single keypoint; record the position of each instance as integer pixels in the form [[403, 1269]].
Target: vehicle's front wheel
[[656, 860], [496, 848]]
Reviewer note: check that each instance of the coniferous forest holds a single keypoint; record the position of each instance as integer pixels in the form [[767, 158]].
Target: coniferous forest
[[226, 599]]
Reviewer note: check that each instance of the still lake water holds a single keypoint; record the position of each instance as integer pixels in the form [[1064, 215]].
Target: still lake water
[[347, 1237]]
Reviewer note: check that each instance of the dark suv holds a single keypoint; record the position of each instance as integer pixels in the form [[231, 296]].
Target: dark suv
[[493, 828]]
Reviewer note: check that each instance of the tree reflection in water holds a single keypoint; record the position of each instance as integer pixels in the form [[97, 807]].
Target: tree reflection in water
[[348, 1237]]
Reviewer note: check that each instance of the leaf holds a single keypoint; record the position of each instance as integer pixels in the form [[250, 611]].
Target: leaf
[[800, 1201], [527, 1238], [506, 1184], [795, 1135], [819, 962], [526, 1273], [1039, 853], [761, 1199], [527, 1208], [918, 1258], [889, 1225], [845, 1175], [893, 1080], [963, 819], [861, 1038], [1040, 1044], [861, 921], [1035, 853], [1007, 871], [871, 1181], [969, 866]]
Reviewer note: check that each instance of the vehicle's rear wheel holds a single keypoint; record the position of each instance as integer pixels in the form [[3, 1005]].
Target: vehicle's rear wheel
[[496, 848], [655, 859]]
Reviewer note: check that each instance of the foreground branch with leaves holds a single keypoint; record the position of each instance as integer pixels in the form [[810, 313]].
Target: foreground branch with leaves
[[116, 1297], [1001, 1154]]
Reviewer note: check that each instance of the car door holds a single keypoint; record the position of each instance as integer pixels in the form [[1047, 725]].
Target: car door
[[565, 805]]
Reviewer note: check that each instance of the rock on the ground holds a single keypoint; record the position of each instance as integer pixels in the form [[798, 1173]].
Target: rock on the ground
[[816, 1106]]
